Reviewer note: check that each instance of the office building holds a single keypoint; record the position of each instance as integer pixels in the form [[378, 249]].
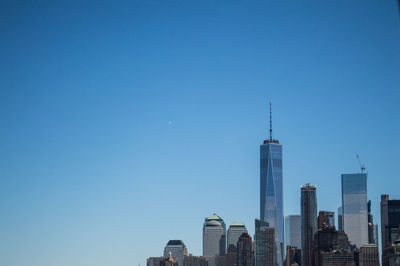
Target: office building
[[293, 231], [390, 219], [327, 218], [169, 261], [177, 249], [264, 239], [214, 237], [308, 222], [271, 192], [191, 260], [337, 258], [326, 240], [340, 219], [245, 250], [354, 204], [369, 255], [236, 229], [154, 261]]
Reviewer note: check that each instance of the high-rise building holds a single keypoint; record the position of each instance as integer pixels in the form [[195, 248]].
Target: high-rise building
[[264, 239], [214, 237], [340, 219], [236, 229], [308, 222], [327, 218], [390, 219], [337, 258], [293, 231], [177, 249], [191, 260], [326, 240], [369, 255], [354, 204], [271, 192], [245, 250]]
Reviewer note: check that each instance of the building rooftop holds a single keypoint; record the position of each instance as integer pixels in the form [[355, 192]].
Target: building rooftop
[[237, 224], [175, 243], [214, 217]]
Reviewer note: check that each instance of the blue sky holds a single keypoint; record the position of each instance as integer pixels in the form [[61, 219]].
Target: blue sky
[[125, 123]]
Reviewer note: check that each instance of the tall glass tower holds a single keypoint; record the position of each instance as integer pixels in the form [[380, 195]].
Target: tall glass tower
[[355, 208], [271, 193]]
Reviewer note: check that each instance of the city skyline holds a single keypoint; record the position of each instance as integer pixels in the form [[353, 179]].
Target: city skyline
[[125, 124]]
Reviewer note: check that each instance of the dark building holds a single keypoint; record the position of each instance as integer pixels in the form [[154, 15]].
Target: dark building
[[229, 259], [390, 219], [264, 239], [371, 235], [154, 261], [327, 218], [369, 255], [245, 250], [194, 261], [391, 253], [308, 222], [337, 258], [328, 240], [293, 256]]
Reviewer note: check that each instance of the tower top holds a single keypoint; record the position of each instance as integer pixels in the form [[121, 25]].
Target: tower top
[[270, 140]]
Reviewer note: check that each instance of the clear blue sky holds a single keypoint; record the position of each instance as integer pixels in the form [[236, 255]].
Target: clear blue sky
[[125, 124]]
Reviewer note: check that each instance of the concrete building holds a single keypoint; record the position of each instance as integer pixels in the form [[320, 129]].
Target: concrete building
[[169, 261], [154, 261], [191, 260], [236, 229], [177, 249], [390, 219], [264, 239], [229, 259], [354, 204], [308, 222], [337, 258], [245, 250], [293, 231], [369, 255], [271, 191], [214, 236]]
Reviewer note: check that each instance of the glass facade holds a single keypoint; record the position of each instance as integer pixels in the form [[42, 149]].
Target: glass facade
[[354, 207], [293, 231], [308, 208], [264, 240], [271, 193]]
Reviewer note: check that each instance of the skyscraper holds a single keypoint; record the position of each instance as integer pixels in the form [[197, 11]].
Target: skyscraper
[[326, 217], [371, 226], [177, 249], [354, 204], [293, 231], [390, 219], [271, 192], [245, 250], [264, 239], [308, 222], [236, 229], [214, 236]]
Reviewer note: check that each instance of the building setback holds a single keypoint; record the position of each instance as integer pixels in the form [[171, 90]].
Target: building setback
[[308, 222]]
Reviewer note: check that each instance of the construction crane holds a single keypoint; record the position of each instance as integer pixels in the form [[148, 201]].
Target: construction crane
[[362, 166]]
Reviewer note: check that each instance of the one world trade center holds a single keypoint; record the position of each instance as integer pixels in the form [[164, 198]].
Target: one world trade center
[[271, 192]]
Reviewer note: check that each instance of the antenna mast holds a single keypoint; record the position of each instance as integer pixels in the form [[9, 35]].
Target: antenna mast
[[270, 121]]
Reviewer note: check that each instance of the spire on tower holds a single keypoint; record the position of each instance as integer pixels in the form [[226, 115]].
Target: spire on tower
[[270, 121]]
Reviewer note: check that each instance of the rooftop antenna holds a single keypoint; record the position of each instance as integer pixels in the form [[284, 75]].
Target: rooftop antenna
[[362, 166], [270, 121]]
